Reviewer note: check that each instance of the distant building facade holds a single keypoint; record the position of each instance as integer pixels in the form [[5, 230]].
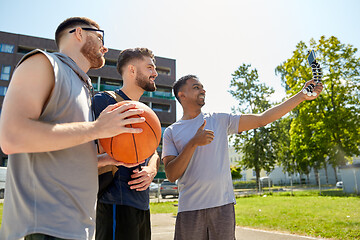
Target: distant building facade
[[281, 177]]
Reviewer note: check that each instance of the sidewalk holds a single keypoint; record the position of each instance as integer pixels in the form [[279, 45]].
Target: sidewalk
[[163, 226]]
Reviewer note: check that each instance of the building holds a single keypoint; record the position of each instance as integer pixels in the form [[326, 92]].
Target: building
[[14, 46], [246, 174], [350, 175], [351, 178], [280, 177]]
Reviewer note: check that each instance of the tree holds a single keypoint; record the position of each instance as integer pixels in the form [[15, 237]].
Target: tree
[[255, 144], [325, 130]]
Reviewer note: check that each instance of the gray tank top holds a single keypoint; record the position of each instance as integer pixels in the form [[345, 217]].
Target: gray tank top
[[55, 192]]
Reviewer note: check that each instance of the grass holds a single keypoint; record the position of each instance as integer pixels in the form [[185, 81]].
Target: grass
[[165, 207], [306, 213], [1, 211], [332, 215]]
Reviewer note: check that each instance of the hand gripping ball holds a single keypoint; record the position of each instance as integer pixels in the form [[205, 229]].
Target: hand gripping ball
[[135, 147]]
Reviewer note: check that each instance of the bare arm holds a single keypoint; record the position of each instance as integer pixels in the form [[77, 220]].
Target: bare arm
[[143, 178], [251, 121], [175, 166], [28, 93], [105, 160]]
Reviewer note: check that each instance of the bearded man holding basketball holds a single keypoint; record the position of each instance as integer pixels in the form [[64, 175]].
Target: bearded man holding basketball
[[125, 203], [48, 130], [195, 151]]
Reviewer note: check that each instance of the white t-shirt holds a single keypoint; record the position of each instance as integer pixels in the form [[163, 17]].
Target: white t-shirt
[[206, 182]]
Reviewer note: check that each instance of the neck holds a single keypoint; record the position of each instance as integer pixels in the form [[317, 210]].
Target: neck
[[78, 58], [133, 91], [190, 113]]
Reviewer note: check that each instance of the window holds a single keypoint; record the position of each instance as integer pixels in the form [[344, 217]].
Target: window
[[163, 70], [7, 48], [160, 107], [111, 63], [24, 50], [3, 90], [5, 73], [106, 84], [163, 92]]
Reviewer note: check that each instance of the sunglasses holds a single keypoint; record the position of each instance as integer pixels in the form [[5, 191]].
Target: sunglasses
[[101, 32]]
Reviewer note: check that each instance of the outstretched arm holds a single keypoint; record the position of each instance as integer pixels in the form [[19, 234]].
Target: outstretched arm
[[251, 121], [175, 166], [29, 91]]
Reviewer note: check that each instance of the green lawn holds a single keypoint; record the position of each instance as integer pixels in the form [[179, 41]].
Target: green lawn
[[318, 216], [331, 215]]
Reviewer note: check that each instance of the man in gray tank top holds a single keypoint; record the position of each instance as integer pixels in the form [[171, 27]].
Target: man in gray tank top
[[47, 129]]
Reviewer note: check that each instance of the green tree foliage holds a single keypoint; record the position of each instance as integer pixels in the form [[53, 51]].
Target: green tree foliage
[[325, 130], [235, 172], [255, 144]]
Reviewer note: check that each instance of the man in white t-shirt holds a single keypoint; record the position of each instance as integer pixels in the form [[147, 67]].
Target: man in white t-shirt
[[195, 151]]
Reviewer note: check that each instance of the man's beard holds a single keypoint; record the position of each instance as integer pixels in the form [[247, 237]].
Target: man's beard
[[92, 54], [143, 82]]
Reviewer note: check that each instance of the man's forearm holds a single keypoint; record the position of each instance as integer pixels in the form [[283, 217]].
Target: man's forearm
[[36, 136], [154, 163], [176, 167], [280, 110]]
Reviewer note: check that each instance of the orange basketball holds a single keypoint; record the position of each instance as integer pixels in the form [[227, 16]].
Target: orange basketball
[[135, 147]]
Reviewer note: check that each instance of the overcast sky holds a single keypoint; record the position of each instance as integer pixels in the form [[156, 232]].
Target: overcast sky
[[207, 38]]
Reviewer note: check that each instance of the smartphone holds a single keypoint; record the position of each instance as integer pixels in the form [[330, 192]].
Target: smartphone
[[311, 57]]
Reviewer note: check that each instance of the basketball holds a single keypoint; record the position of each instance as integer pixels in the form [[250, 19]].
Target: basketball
[[135, 147]]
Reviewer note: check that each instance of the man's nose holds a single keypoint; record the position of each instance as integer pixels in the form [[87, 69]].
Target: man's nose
[[104, 49]]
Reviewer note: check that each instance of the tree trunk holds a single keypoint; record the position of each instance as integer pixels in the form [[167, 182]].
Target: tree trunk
[[326, 173], [257, 171], [336, 177], [316, 176]]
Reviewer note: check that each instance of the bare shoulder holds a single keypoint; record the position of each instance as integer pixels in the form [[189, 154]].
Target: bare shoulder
[[37, 63], [32, 83]]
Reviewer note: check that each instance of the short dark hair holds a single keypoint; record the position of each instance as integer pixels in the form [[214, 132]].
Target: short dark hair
[[71, 23], [129, 54], [181, 82]]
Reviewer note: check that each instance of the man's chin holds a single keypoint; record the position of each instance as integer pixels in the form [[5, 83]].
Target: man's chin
[[98, 65], [150, 88]]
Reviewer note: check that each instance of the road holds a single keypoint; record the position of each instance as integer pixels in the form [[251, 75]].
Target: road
[[163, 226]]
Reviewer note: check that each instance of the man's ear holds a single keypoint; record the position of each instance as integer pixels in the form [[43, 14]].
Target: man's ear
[[79, 34], [181, 95], [131, 69]]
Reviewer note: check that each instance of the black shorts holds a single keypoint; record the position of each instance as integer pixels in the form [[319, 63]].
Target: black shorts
[[124, 221]]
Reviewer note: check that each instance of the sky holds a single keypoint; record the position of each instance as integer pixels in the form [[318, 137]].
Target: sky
[[208, 38]]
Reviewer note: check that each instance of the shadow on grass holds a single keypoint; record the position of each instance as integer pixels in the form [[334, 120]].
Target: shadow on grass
[[336, 193]]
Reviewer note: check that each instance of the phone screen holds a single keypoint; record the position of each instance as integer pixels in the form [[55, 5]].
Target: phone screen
[[311, 57]]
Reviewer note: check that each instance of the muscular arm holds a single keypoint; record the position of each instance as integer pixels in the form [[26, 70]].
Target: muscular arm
[[175, 166], [251, 121], [28, 93]]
